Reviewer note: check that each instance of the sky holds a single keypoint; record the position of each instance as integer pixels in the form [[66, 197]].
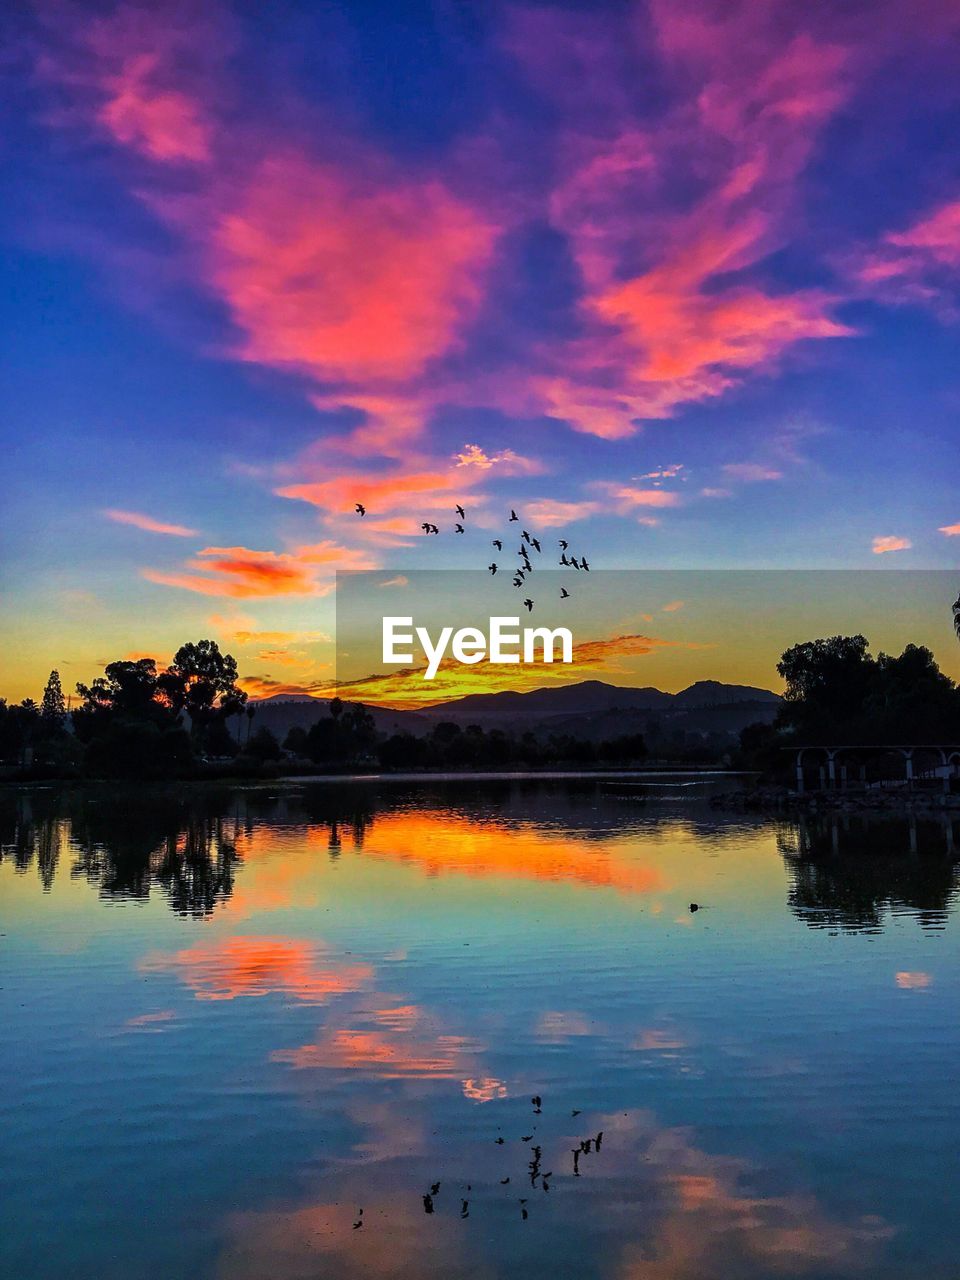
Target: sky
[[678, 281]]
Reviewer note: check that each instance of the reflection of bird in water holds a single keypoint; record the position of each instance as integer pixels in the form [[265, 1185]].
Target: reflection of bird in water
[[576, 1162], [499, 1141], [498, 544], [504, 1181], [428, 1204], [460, 511], [435, 1188], [359, 1222], [360, 509], [585, 1146], [565, 595], [529, 605], [464, 1208], [598, 1139], [492, 568], [528, 1138], [537, 1103], [523, 1210], [574, 1113], [513, 516]]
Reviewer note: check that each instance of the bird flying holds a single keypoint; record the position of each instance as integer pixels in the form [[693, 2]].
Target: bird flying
[[498, 544], [513, 515], [564, 544], [460, 511], [360, 509], [529, 607], [492, 568], [458, 528], [564, 593]]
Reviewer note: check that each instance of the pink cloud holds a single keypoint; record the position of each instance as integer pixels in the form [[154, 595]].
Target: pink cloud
[[883, 545], [140, 521], [547, 513], [951, 530], [751, 472], [918, 265]]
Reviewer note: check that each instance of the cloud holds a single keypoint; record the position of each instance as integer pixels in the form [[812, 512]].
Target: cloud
[[882, 545], [398, 581], [716, 493], [548, 513], [140, 521], [241, 573], [920, 265], [625, 498], [509, 462], [916, 981], [672, 606], [751, 472], [950, 530]]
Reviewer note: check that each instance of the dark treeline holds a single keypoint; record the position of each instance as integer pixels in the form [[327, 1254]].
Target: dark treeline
[[191, 719], [838, 693]]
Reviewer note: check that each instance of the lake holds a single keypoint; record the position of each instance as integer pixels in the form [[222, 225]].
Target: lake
[[234, 1017]]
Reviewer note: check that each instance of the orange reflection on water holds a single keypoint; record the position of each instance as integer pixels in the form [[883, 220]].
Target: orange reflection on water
[[386, 1056], [238, 966], [442, 843]]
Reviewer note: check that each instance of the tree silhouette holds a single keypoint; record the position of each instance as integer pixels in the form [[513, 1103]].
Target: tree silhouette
[[53, 708], [956, 616]]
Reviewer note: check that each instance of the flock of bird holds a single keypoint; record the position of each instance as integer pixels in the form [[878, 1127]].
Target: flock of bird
[[534, 1172], [525, 566]]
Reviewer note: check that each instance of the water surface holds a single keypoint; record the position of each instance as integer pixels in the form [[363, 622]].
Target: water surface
[[234, 1017]]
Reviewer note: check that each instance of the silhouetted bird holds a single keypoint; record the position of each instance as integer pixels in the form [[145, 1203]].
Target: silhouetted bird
[[427, 528], [529, 605], [583, 563], [524, 535], [528, 1138], [564, 544], [498, 544], [523, 1211], [360, 509], [464, 1208], [460, 511], [585, 1145], [428, 1204], [513, 516], [492, 568], [535, 543], [565, 595], [499, 1141], [537, 1102], [574, 1113], [574, 562], [576, 1162], [435, 1188], [359, 1221], [598, 1139], [458, 528], [694, 906], [504, 1181], [564, 560], [518, 582]]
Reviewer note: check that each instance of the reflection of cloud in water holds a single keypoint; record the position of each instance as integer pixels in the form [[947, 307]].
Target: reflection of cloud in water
[[253, 966], [650, 1206], [484, 1089], [555, 1026], [383, 1055], [917, 981], [441, 843]]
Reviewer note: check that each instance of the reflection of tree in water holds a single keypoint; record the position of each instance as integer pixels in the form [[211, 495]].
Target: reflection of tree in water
[[347, 811], [850, 872], [127, 842]]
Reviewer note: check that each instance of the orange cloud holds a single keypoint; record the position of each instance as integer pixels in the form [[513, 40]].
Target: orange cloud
[[148, 523], [881, 546], [241, 966], [625, 497], [243, 574], [950, 530]]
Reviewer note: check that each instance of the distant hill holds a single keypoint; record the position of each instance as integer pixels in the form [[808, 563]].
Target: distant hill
[[590, 709]]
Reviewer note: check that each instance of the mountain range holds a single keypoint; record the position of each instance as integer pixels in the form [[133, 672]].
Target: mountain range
[[590, 709]]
